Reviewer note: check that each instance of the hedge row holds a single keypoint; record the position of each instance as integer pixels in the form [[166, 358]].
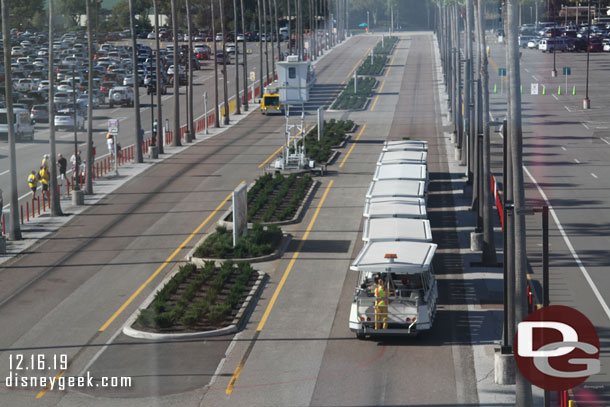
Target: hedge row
[[372, 68], [259, 241], [334, 133], [348, 99]]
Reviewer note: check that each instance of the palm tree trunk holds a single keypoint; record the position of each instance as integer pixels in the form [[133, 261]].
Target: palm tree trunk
[[216, 109], [90, 158], [237, 97], [277, 32], [245, 70], [190, 128], [260, 45], [176, 140], [55, 195], [489, 249], [224, 65], [160, 125], [136, 93], [289, 28], [272, 49], [523, 388], [265, 22]]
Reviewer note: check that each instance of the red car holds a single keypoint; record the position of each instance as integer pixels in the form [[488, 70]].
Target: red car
[[595, 46]]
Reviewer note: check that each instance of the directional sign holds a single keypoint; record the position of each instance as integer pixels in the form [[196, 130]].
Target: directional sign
[[567, 70], [252, 76], [501, 71], [113, 127], [534, 90]]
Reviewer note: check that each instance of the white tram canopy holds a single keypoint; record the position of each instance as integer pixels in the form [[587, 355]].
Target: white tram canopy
[[396, 188], [395, 257], [403, 157], [397, 229], [397, 145], [413, 172], [395, 207]]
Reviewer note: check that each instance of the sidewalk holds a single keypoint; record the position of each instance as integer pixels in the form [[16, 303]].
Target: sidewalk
[[483, 285]]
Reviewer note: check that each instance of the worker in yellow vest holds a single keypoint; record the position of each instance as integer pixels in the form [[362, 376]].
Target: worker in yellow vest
[[33, 183], [381, 304], [43, 175]]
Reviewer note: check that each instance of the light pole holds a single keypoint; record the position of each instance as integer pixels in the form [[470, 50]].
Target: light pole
[[76, 160], [368, 24], [586, 103]]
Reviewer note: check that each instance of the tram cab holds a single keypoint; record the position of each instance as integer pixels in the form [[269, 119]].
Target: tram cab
[[412, 293]]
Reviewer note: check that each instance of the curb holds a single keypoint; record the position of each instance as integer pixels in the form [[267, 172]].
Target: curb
[[200, 261], [295, 218], [235, 324]]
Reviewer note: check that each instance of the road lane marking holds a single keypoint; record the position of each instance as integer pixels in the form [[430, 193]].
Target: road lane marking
[[4, 172], [568, 243], [366, 54], [534, 76], [563, 148], [605, 141], [586, 127], [576, 161], [594, 176], [568, 109], [48, 386], [353, 145], [383, 83], [527, 70], [555, 96], [276, 293], [164, 264]]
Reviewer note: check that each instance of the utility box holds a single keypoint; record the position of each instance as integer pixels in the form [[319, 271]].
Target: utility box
[[295, 78]]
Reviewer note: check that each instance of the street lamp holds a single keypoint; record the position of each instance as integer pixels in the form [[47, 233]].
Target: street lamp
[[586, 103], [368, 25]]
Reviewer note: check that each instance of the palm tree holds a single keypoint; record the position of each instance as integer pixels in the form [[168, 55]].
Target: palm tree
[[190, 132], [90, 158], [523, 389], [489, 249], [272, 49], [136, 93], [237, 99], [176, 139], [55, 201], [160, 127], [266, 39], [277, 32], [245, 70], [260, 45], [224, 65], [216, 111]]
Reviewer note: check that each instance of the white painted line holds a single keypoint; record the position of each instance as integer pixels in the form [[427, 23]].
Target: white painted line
[[526, 70], [568, 109], [534, 76], [594, 176], [555, 96], [605, 141], [586, 127], [602, 127], [563, 148], [579, 263], [5, 172], [576, 161]]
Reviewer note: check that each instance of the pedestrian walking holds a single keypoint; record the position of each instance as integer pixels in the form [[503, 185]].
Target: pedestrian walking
[[154, 132], [110, 144], [45, 161], [62, 165], [33, 184], [44, 177]]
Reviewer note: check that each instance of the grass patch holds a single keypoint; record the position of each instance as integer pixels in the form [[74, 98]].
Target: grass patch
[[259, 241], [194, 295], [348, 99]]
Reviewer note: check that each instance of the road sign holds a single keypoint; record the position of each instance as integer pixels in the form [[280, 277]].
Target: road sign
[[501, 71], [567, 70], [113, 127], [534, 90], [252, 76]]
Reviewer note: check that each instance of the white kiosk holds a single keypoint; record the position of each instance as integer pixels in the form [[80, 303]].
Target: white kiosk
[[295, 78]]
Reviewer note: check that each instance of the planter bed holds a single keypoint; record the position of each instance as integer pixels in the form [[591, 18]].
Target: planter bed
[[199, 299], [375, 68], [334, 137], [259, 241], [348, 100], [388, 46]]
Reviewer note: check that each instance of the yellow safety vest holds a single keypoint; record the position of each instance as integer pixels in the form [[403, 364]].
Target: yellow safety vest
[[44, 176], [380, 293], [32, 181]]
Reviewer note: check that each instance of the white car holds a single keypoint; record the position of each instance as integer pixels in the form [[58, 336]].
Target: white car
[[230, 48], [151, 35], [26, 84], [606, 44], [64, 119], [219, 37], [240, 38], [533, 43]]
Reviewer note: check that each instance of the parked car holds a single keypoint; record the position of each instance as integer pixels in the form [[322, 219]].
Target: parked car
[[64, 119], [230, 48], [222, 57], [121, 95], [40, 113], [219, 36], [553, 45], [595, 45]]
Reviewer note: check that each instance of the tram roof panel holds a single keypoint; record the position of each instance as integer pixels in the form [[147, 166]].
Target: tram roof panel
[[409, 257], [395, 207], [396, 188], [396, 145], [403, 157], [413, 172], [397, 229]]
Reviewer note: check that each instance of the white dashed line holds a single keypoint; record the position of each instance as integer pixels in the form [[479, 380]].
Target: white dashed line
[[568, 109], [4, 172], [605, 141], [526, 70], [586, 127], [563, 148], [594, 176], [576, 161], [534, 76], [555, 96]]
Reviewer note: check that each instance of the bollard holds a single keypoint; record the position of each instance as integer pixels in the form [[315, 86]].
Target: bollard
[[495, 88], [27, 209], [21, 212], [38, 205], [72, 179], [3, 228], [559, 90], [543, 90], [573, 90]]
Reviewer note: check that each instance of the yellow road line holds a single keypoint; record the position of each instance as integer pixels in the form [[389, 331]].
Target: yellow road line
[[279, 287], [382, 83], [48, 386], [261, 324], [353, 145], [366, 54], [165, 263]]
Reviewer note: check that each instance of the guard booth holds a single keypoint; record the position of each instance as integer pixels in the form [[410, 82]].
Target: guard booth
[[295, 78]]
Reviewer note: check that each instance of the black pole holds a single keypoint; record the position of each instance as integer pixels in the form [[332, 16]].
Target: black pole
[[479, 228], [545, 255], [506, 348], [587, 102], [76, 163], [152, 103]]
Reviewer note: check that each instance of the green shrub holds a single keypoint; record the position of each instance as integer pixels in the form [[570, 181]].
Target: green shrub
[[350, 100]]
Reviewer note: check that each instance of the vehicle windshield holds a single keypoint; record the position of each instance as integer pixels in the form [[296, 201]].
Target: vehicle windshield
[[271, 100]]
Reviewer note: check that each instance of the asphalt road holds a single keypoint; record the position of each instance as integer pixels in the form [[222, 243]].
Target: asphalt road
[[29, 155], [566, 155]]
